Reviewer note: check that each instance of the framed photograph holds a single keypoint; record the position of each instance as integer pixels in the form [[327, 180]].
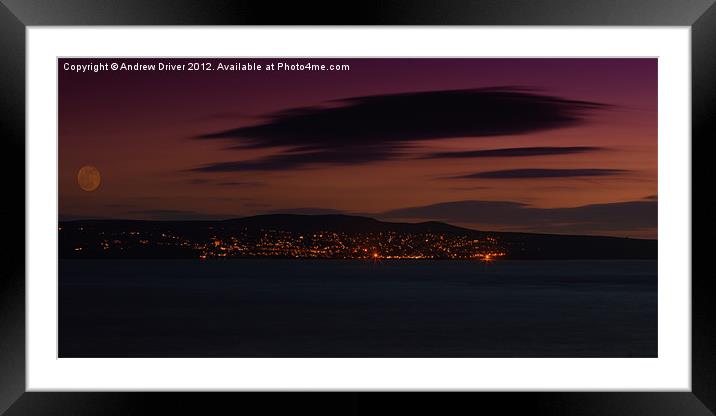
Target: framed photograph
[[223, 197]]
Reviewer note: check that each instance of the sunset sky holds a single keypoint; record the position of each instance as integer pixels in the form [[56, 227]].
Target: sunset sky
[[539, 145]]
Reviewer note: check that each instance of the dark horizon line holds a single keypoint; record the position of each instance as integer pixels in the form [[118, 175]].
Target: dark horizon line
[[351, 216]]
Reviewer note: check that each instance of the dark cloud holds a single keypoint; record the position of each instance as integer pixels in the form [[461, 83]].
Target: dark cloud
[[540, 173], [161, 212], [204, 181], [173, 214], [237, 183], [374, 128], [618, 216], [513, 152], [297, 160], [309, 211], [198, 181], [470, 188], [652, 197]]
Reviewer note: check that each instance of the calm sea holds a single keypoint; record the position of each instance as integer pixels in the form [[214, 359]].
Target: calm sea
[[336, 308]]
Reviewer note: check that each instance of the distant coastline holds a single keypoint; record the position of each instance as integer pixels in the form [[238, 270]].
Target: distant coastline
[[329, 237]]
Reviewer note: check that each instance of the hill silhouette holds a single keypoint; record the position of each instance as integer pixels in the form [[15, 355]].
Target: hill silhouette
[[517, 245]]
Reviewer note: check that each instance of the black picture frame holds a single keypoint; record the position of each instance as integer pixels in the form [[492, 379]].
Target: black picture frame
[[16, 15]]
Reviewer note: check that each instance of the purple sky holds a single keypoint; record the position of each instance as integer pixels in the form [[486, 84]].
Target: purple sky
[[545, 145]]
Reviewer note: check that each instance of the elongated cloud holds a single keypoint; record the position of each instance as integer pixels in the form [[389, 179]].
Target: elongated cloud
[[381, 127], [172, 214], [297, 160], [308, 211], [209, 182], [513, 152], [540, 173], [619, 216]]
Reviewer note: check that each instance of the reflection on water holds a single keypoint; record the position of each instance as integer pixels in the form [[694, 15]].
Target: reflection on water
[[334, 308]]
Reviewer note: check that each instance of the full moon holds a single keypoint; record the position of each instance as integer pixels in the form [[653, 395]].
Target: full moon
[[88, 178]]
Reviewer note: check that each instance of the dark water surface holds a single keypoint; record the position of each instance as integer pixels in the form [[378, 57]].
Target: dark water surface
[[336, 308]]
